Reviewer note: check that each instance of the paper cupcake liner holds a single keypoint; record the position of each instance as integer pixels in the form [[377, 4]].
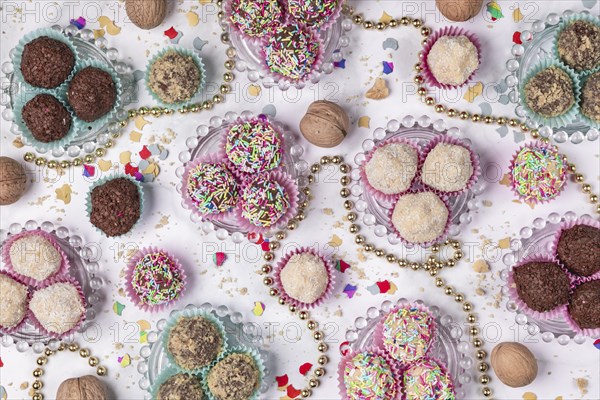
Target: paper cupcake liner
[[191, 313], [394, 367], [378, 336], [456, 142], [102, 181], [514, 295], [252, 40], [376, 193], [593, 333], [21, 100], [452, 31], [63, 270], [103, 120], [38, 325], [443, 368], [197, 97], [240, 349], [289, 186], [129, 289], [423, 244], [567, 225], [323, 26], [566, 21], [243, 175], [212, 158], [561, 120], [16, 328], [53, 34], [319, 58], [164, 376], [587, 120], [531, 145], [329, 267]]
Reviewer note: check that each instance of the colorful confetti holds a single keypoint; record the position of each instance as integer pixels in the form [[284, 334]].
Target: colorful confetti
[[109, 25], [264, 246], [350, 290], [171, 33], [145, 153], [254, 90], [340, 64], [259, 308], [597, 344], [282, 381], [219, 258], [79, 22], [390, 43], [270, 110], [192, 18], [125, 360], [388, 67], [335, 241], [1, 363], [144, 325], [385, 18], [3, 394], [364, 122], [495, 11], [292, 392], [383, 287], [529, 396], [104, 165], [255, 238], [517, 38], [345, 348], [118, 308], [305, 368], [517, 15], [89, 170], [199, 44], [473, 92], [63, 193], [143, 337], [342, 266]]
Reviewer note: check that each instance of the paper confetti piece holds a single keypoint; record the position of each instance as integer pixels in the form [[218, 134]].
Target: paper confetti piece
[[473, 92], [335, 241], [154, 149], [145, 153], [259, 308], [345, 348], [104, 165], [143, 337], [18, 143], [518, 136], [171, 33], [125, 361], [138, 176], [282, 381], [504, 99], [1, 363], [342, 266], [388, 67], [79, 22], [254, 90], [125, 157], [380, 287], [364, 122], [192, 18], [118, 308], [393, 288], [98, 33], [219, 258], [255, 238], [109, 25], [493, 8], [63, 193], [597, 344], [517, 15], [131, 169], [144, 165], [305, 368], [486, 108], [264, 246], [293, 392], [270, 110], [390, 43], [529, 396], [503, 130], [517, 38], [340, 64], [3, 394], [385, 18], [504, 243], [164, 154], [350, 290], [89, 170], [138, 75], [144, 325], [199, 43], [141, 122]]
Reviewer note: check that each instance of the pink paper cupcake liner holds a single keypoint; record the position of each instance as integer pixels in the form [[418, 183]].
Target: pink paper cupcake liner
[[443, 368], [424, 244], [531, 145], [18, 326], [456, 142], [64, 263], [253, 40], [514, 295], [329, 266], [593, 333], [378, 336], [567, 225], [289, 186], [394, 367], [379, 195], [326, 24], [212, 158], [129, 289], [446, 31], [54, 335]]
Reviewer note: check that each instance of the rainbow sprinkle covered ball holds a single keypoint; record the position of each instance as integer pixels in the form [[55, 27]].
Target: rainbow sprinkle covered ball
[[312, 12], [408, 333], [254, 146], [157, 279], [369, 376], [212, 188], [256, 18], [264, 202], [426, 380]]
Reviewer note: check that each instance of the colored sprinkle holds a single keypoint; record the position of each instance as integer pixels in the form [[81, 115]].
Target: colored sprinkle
[[254, 146], [425, 380], [256, 18], [312, 12], [407, 334], [212, 188], [292, 51], [157, 279], [264, 202], [538, 173], [369, 376]]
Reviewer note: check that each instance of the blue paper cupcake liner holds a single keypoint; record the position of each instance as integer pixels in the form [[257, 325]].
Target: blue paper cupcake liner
[[192, 313], [164, 376], [258, 361], [53, 34], [589, 121], [197, 98], [21, 100], [102, 181], [561, 120], [566, 21]]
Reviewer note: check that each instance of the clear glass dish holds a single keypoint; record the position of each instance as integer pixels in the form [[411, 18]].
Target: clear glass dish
[[83, 258], [207, 140], [422, 129], [154, 360]]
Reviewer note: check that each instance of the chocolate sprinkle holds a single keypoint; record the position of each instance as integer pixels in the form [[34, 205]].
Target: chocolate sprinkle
[[46, 62], [543, 286], [579, 249], [584, 306], [550, 92], [115, 206], [92, 93], [47, 118], [194, 342], [579, 45]]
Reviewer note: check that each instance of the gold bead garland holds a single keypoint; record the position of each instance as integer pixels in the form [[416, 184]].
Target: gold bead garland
[[42, 360]]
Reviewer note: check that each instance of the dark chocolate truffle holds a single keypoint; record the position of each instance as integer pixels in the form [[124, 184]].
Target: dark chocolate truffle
[[579, 249], [181, 387], [46, 62], [194, 342], [590, 101], [550, 92], [543, 286], [92, 93], [115, 206], [46, 117], [584, 306], [236, 377], [579, 45]]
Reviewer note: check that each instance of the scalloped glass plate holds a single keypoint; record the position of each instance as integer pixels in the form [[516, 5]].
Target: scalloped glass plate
[[448, 346], [86, 140], [423, 129], [154, 359], [531, 240], [208, 140], [537, 44], [84, 267]]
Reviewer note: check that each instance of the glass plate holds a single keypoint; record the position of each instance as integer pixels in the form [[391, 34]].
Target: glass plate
[[86, 141], [447, 348], [531, 240], [84, 268], [208, 140], [423, 129], [537, 44], [154, 359]]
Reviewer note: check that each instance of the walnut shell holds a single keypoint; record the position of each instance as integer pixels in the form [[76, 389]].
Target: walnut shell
[[325, 124], [514, 364], [146, 14], [84, 388], [12, 181], [459, 10]]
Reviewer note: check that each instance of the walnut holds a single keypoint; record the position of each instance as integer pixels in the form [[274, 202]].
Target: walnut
[[146, 14], [325, 124], [84, 388]]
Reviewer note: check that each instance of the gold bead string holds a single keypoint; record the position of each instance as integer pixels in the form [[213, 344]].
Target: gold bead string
[[42, 360]]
